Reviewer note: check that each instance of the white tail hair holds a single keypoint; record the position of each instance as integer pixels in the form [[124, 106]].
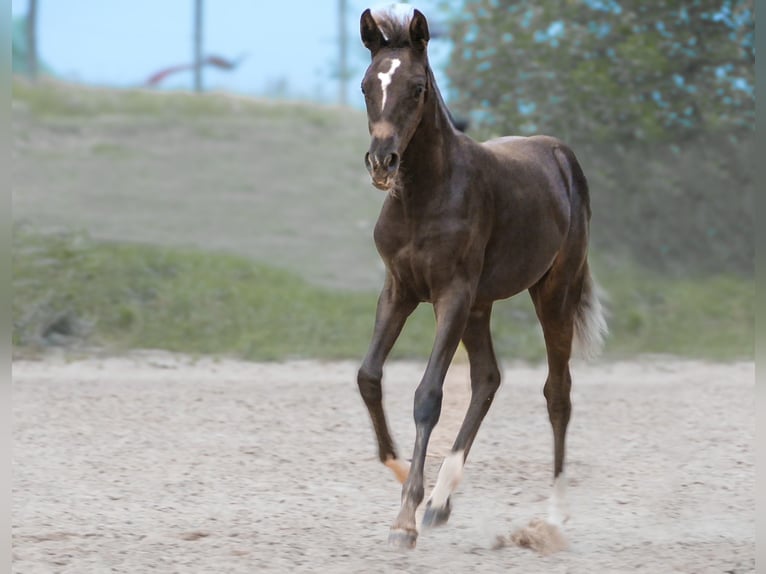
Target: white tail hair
[[590, 326]]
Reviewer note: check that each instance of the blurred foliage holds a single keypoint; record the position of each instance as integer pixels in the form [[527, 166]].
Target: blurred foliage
[[657, 100], [685, 210], [72, 292], [611, 69]]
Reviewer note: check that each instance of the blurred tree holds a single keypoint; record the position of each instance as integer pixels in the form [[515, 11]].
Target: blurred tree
[[343, 74], [198, 63], [656, 97], [32, 61], [612, 69], [20, 50]]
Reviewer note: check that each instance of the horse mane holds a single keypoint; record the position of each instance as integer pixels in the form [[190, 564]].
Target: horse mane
[[395, 25], [440, 100]]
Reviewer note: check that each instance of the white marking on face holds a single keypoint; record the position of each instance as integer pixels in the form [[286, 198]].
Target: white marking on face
[[558, 509], [450, 474], [385, 79]]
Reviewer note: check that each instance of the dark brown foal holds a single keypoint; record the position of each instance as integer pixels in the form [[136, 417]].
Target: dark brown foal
[[463, 225]]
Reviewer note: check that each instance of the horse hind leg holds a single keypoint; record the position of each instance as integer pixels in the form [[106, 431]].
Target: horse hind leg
[[567, 307], [557, 320]]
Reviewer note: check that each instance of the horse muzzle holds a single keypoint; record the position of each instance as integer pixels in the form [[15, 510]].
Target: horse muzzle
[[382, 168]]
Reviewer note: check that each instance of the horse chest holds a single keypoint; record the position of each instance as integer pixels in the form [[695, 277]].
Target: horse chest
[[424, 257]]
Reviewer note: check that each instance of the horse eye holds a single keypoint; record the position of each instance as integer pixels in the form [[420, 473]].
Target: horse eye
[[418, 90]]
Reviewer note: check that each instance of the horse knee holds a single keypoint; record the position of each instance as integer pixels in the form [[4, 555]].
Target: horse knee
[[428, 404], [369, 386]]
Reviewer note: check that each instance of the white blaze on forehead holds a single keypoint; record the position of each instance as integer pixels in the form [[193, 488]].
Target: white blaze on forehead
[[385, 79]]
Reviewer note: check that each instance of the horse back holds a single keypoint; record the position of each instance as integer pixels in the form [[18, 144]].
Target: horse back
[[529, 176], [535, 187]]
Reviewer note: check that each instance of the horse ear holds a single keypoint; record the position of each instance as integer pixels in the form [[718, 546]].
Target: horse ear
[[419, 35], [372, 37]]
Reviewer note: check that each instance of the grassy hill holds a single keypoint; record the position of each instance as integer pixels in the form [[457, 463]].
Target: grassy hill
[[217, 224], [276, 182]]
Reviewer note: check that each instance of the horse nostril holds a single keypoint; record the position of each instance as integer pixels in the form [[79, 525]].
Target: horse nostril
[[392, 161], [367, 161]]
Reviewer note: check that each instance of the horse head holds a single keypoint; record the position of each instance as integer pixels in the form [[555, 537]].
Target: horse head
[[395, 88]]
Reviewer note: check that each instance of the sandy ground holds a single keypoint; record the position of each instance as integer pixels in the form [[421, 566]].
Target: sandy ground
[[155, 463]]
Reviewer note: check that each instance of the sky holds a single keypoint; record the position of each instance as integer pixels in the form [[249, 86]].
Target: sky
[[287, 45]]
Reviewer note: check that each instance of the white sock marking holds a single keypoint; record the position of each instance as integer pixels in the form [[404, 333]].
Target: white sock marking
[[558, 509], [385, 79], [450, 474]]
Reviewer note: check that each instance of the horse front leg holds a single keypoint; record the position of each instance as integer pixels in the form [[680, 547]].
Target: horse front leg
[[485, 380], [452, 311], [392, 312]]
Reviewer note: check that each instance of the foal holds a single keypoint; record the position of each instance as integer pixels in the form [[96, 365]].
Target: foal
[[463, 225]]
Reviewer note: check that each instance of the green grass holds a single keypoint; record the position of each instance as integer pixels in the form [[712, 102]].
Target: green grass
[[69, 289], [709, 317]]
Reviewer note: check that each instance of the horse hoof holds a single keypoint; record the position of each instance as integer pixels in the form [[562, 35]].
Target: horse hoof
[[436, 516], [402, 538]]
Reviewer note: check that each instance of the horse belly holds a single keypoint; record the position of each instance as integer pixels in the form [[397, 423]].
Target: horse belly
[[515, 263]]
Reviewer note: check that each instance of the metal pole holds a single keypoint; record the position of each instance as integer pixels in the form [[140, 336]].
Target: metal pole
[[343, 53], [32, 40], [197, 46]]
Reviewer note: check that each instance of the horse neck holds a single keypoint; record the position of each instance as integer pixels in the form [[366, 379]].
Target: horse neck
[[426, 159]]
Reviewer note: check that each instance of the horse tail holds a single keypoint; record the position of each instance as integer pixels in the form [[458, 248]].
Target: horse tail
[[572, 173], [590, 328]]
